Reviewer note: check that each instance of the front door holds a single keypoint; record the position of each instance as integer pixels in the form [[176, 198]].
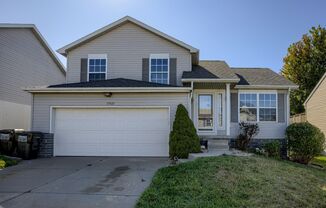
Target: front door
[[209, 112]]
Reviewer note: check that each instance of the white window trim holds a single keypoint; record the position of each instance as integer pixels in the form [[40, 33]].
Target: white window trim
[[97, 56], [216, 128], [159, 56], [257, 105]]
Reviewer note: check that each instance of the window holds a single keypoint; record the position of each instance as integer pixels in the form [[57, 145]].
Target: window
[[220, 109], [97, 67], [267, 107], [261, 109], [159, 68], [205, 112], [248, 107]]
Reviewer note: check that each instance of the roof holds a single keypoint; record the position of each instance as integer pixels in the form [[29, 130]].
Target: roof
[[315, 88], [118, 23], [261, 77], [119, 82], [210, 70], [40, 38]]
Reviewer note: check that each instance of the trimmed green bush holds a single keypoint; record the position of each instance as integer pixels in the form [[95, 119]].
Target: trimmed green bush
[[305, 141], [183, 137], [273, 149], [247, 132]]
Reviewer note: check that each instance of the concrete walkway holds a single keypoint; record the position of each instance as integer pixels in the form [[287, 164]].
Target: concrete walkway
[[77, 182]]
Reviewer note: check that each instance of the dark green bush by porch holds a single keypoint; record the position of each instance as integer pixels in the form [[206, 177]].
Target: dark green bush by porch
[[183, 137], [305, 141], [273, 149]]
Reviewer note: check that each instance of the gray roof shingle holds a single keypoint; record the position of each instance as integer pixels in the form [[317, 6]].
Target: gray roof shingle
[[260, 76], [210, 70], [119, 82]]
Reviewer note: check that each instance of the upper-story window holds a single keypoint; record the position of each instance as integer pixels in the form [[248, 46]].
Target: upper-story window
[[255, 107], [159, 68], [97, 67]]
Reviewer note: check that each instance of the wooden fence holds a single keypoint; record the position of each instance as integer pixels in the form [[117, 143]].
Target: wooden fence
[[298, 118]]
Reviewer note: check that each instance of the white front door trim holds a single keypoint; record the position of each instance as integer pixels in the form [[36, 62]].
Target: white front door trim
[[213, 92]]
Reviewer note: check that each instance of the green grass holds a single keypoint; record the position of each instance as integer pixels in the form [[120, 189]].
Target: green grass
[[320, 160], [6, 162], [229, 181]]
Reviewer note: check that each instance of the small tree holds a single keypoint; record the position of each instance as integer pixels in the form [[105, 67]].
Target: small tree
[[183, 137], [247, 132], [305, 141], [305, 64]]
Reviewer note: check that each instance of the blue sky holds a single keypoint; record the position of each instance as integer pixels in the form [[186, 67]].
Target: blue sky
[[248, 33]]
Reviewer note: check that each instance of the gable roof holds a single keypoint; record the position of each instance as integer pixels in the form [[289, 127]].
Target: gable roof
[[42, 40], [118, 23], [119, 82], [261, 77], [210, 70], [315, 88]]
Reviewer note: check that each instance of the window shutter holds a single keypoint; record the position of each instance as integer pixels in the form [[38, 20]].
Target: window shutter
[[281, 107], [234, 107], [145, 70], [173, 71], [83, 69]]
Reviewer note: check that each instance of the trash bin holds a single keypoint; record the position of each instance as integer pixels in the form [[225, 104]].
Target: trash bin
[[7, 141], [28, 144]]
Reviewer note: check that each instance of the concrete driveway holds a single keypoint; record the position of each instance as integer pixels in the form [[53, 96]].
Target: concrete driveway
[[77, 182]]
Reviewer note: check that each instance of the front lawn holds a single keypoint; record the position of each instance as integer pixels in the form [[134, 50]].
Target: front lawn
[[228, 181], [6, 162], [320, 160]]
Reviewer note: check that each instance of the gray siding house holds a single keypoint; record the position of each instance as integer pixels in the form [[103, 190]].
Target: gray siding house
[[25, 60], [124, 82]]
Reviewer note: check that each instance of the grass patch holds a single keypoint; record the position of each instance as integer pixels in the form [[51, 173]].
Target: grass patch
[[229, 181], [320, 160], [6, 162]]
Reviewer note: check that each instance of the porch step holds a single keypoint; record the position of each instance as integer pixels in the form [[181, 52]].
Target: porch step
[[218, 145]]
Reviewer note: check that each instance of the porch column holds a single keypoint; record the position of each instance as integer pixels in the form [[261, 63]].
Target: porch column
[[228, 109], [288, 107]]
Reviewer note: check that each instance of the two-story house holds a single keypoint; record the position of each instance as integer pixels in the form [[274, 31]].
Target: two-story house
[[25, 60], [124, 82]]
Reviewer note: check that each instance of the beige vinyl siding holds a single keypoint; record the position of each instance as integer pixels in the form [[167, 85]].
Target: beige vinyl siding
[[13, 115], [24, 62], [125, 47], [316, 107], [43, 103]]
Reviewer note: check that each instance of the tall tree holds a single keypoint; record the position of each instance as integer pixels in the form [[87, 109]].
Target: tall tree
[[305, 64]]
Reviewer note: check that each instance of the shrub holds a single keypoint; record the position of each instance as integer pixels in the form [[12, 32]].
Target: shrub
[[247, 132], [273, 149], [183, 137], [305, 141]]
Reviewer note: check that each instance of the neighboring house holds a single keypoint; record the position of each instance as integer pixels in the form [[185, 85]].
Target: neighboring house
[[315, 105], [124, 82], [25, 60]]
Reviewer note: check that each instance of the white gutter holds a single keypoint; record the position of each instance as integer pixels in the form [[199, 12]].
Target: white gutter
[[210, 80], [266, 87], [107, 89]]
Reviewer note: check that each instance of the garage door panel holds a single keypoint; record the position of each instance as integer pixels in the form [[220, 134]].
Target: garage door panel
[[111, 132]]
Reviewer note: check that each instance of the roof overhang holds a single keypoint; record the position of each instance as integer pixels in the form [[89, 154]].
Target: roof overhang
[[120, 22], [108, 89], [210, 80], [315, 88], [42, 40], [266, 87]]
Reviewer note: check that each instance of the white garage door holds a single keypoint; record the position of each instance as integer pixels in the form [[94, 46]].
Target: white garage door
[[111, 132]]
